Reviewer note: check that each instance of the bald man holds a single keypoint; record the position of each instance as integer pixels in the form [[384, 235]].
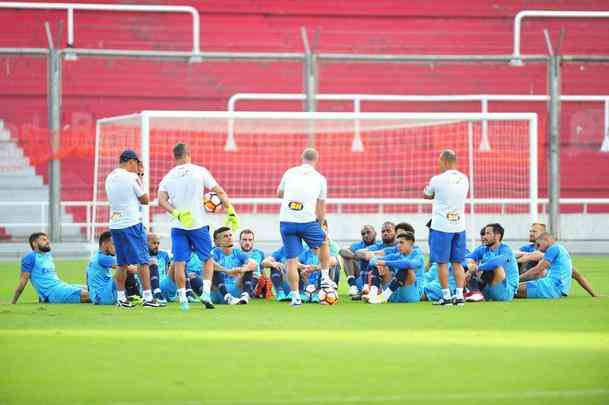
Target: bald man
[[303, 210], [447, 240]]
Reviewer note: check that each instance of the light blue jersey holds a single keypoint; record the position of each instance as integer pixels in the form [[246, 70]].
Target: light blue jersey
[[99, 278], [561, 268], [307, 257], [42, 272], [279, 255], [194, 265], [415, 262], [44, 278], [256, 255], [489, 259], [163, 261], [235, 259], [528, 248]]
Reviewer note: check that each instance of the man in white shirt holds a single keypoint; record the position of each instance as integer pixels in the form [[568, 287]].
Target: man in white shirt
[[303, 210], [125, 194], [181, 194], [447, 241]]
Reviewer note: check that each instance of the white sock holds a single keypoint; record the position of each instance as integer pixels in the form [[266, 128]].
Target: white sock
[[446, 293], [206, 286], [374, 290], [147, 295], [366, 287], [182, 294], [459, 293], [387, 293], [120, 295], [157, 291], [295, 295], [325, 274]]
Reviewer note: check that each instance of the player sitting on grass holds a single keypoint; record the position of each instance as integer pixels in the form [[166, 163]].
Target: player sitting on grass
[[100, 282], [38, 266], [529, 256], [352, 264], [387, 241], [159, 266], [309, 270], [551, 277], [246, 245], [407, 268], [334, 262], [279, 274], [497, 265], [234, 273]]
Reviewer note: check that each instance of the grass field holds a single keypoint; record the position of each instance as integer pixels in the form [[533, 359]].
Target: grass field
[[525, 351]]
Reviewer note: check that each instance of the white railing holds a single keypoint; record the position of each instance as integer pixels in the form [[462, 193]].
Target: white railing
[[516, 57], [42, 223], [357, 100], [70, 7]]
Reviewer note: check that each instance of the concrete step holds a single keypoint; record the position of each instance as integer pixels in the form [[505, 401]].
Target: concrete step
[[19, 182], [24, 194], [27, 171]]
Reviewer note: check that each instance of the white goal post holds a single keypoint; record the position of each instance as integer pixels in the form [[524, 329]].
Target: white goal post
[[400, 156]]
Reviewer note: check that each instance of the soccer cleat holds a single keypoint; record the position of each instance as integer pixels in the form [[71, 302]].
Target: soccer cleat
[[230, 300], [458, 301], [315, 298], [328, 283], [473, 296], [357, 297], [135, 299], [353, 291], [444, 302], [184, 306], [206, 301], [244, 299], [377, 299], [296, 303], [191, 298], [159, 298], [151, 304], [124, 304]]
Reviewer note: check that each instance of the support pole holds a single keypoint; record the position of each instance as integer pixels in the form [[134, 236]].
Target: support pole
[[553, 140], [310, 84], [54, 107]]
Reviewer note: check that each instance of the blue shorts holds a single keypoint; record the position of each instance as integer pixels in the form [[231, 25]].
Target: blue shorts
[[184, 242], [542, 288], [64, 293], [169, 289], [408, 293], [104, 296], [293, 233], [131, 245], [447, 247], [498, 292]]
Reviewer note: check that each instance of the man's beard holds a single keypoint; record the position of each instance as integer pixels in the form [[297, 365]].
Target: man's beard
[[45, 249], [153, 252]]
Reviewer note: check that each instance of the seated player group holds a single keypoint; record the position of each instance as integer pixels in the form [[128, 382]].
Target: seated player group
[[129, 267]]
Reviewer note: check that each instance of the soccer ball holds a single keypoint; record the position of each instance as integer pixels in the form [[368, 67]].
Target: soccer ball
[[328, 296], [212, 202]]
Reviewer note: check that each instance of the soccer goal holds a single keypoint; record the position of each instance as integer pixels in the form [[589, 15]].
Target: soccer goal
[[377, 164]]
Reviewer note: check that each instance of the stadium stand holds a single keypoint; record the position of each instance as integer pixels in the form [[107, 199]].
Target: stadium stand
[[96, 87]]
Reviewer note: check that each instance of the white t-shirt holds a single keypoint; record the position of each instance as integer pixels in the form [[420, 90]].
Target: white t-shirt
[[302, 186], [185, 184], [449, 190], [123, 189]]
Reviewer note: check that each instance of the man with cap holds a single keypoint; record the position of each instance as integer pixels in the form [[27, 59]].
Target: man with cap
[[125, 194]]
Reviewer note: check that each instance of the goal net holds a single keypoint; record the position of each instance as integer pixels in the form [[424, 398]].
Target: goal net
[[376, 164]]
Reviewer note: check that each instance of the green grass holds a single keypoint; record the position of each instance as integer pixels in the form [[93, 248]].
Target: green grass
[[525, 351]]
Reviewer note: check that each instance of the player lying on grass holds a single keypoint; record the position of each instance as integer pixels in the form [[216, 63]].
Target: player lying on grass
[[246, 245], [529, 256], [181, 194], [352, 264], [406, 268], [276, 262], [496, 265], [234, 271], [39, 268], [551, 277]]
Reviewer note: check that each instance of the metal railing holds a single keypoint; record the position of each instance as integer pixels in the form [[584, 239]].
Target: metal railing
[[357, 100]]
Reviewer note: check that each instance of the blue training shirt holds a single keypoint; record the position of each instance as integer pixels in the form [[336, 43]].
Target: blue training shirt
[[561, 268], [413, 261], [99, 273], [489, 259], [256, 255], [279, 255], [235, 259], [163, 261], [41, 267], [528, 248]]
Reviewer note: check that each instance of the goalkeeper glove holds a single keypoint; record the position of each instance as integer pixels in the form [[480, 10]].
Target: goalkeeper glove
[[185, 217], [231, 219]]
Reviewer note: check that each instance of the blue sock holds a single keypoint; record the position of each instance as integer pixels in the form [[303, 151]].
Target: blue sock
[[154, 277], [276, 279]]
